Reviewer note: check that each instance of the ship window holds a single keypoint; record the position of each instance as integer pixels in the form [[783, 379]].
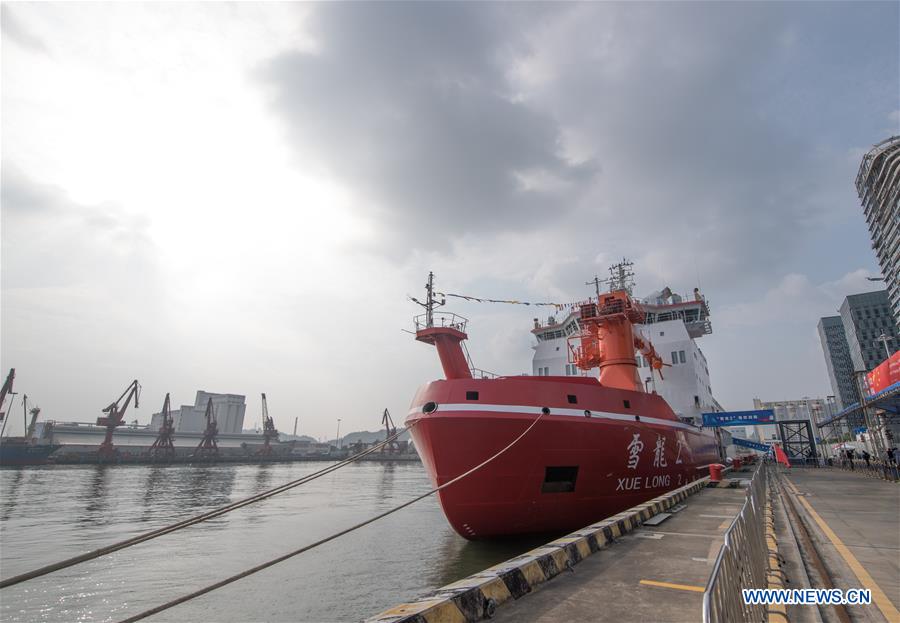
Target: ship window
[[559, 479], [674, 356], [471, 395], [681, 356], [573, 399], [627, 404]]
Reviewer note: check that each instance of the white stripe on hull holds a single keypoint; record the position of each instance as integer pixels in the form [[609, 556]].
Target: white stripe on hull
[[526, 410]]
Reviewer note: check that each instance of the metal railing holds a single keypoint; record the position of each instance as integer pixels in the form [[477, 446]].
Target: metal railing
[[741, 562], [886, 470], [441, 319]]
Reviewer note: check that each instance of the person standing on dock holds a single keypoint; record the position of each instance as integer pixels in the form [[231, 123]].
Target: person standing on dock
[[867, 458]]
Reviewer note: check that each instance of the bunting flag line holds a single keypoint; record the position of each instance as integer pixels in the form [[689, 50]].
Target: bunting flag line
[[478, 299]]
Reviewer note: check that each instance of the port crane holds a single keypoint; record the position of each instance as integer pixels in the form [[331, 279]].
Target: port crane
[[5, 391], [208, 448], [115, 417], [164, 444], [393, 447], [35, 411], [269, 430]]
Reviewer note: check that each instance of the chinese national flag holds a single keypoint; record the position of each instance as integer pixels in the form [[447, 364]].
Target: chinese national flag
[[780, 456]]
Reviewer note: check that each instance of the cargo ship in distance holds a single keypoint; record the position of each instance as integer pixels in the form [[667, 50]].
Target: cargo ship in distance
[[27, 450], [601, 444]]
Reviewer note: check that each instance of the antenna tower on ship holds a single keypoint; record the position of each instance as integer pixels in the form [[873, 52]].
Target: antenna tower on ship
[[621, 276], [430, 302]]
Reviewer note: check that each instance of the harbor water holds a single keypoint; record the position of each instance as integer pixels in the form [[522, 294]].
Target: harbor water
[[54, 512]]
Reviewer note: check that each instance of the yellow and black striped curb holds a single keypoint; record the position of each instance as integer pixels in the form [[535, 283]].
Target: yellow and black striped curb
[[476, 597], [775, 577]]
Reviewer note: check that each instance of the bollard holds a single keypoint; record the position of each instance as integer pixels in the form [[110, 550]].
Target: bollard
[[715, 472], [736, 464]]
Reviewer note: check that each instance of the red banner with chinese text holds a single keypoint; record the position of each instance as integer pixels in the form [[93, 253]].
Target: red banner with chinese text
[[886, 374]]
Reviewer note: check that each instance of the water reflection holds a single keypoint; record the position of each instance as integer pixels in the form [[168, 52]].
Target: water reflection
[[95, 496], [10, 495], [210, 486], [155, 491], [385, 484], [462, 558], [263, 477]]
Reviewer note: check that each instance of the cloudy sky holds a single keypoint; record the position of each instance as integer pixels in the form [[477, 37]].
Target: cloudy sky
[[240, 197]]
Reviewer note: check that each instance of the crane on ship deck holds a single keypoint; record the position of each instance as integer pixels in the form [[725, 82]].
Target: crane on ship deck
[[6, 390], [269, 430], [115, 417], [164, 444]]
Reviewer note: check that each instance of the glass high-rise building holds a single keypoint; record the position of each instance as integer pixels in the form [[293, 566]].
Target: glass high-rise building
[[865, 318], [878, 185], [837, 360]]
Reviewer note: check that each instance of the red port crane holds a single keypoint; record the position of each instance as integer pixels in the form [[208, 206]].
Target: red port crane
[[269, 430], [164, 445], [115, 417], [390, 430], [208, 448]]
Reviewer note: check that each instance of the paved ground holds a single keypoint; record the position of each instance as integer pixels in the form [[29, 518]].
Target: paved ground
[[608, 585], [863, 515]]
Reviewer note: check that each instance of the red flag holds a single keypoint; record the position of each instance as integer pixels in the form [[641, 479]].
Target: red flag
[[780, 456]]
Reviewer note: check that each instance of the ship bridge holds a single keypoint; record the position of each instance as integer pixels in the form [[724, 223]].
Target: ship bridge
[[692, 310]]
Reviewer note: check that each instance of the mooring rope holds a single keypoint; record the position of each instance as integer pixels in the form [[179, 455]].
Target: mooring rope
[[305, 548], [147, 536]]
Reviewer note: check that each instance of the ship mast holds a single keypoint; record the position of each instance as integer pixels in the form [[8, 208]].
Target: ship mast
[[430, 302], [446, 338]]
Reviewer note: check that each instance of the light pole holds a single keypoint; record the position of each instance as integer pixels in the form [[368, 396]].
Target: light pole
[[338, 435], [884, 339]]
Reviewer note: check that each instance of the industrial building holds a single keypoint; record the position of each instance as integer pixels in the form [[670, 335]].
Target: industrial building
[[228, 410], [878, 185]]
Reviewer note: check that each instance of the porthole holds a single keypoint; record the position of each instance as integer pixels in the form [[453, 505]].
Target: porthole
[[429, 407], [545, 410], [587, 413]]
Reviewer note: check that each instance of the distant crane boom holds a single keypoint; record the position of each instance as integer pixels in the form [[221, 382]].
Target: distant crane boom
[[115, 416], [269, 430], [164, 444]]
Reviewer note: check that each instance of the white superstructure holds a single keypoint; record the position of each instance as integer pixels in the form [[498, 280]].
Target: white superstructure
[[673, 323]]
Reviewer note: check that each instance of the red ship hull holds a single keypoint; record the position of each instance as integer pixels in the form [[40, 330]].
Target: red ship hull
[[598, 451]]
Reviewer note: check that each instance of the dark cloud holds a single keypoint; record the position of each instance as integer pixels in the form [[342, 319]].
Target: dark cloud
[[714, 125], [409, 104]]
